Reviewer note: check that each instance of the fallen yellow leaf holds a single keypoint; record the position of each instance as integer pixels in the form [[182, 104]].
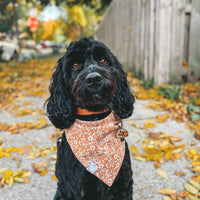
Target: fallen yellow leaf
[[192, 151], [179, 173], [194, 183], [182, 194], [149, 124], [166, 198], [26, 179], [9, 177], [197, 101], [140, 158], [166, 191], [192, 197], [191, 189], [162, 118], [40, 167], [180, 131], [136, 125], [43, 173], [134, 150], [11, 182], [54, 178], [25, 111], [194, 164], [41, 123], [18, 179], [162, 173], [196, 169], [168, 155]]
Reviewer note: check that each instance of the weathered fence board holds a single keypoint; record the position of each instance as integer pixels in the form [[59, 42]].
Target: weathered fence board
[[194, 42], [154, 37], [164, 45]]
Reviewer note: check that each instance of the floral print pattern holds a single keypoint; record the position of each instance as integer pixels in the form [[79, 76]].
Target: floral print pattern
[[96, 147]]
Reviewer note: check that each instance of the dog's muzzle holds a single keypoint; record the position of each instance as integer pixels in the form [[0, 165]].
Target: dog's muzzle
[[94, 86]]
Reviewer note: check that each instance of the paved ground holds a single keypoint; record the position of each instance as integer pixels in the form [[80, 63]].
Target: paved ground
[[144, 174], [146, 180]]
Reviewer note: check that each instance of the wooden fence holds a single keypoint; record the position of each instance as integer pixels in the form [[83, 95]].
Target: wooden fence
[[156, 38]]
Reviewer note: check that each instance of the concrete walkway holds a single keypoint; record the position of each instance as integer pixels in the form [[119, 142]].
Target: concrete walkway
[[146, 180]]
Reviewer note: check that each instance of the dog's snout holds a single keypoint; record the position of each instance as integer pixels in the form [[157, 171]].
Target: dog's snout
[[93, 79]]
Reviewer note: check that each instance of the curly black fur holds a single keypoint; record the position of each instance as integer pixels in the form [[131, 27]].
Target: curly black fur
[[76, 183], [68, 88], [88, 76]]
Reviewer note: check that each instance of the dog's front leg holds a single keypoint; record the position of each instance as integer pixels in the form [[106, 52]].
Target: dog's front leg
[[122, 188], [70, 173], [65, 192], [126, 177]]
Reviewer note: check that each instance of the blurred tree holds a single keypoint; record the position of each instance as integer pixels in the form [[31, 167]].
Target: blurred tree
[[71, 3], [15, 22], [6, 16], [90, 3], [82, 18], [10, 12]]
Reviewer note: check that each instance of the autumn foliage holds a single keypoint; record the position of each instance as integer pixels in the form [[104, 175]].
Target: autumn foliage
[[181, 103], [20, 81]]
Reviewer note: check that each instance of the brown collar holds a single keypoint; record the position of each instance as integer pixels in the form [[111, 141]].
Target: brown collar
[[81, 111]]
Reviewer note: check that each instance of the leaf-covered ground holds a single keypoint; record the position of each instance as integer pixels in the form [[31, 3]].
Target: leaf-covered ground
[[164, 134]]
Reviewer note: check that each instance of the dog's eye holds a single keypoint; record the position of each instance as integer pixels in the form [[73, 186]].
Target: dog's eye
[[75, 66], [103, 61]]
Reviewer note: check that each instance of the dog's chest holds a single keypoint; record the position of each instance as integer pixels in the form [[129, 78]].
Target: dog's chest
[[95, 146]]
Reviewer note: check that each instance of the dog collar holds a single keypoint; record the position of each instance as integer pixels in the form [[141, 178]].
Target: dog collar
[[95, 145], [81, 111]]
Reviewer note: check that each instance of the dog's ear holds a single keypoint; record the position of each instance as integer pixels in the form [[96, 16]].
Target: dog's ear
[[71, 43], [60, 109], [123, 99]]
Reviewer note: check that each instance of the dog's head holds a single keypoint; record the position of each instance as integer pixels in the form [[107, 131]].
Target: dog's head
[[88, 76]]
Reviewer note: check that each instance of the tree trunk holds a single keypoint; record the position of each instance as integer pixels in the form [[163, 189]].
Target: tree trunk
[[15, 17]]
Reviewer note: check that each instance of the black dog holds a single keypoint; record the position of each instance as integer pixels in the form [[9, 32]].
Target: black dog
[[89, 77]]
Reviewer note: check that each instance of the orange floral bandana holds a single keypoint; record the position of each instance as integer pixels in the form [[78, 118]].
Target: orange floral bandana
[[96, 147]]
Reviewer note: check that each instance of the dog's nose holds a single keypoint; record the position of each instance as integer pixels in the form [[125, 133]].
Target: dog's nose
[[93, 79]]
